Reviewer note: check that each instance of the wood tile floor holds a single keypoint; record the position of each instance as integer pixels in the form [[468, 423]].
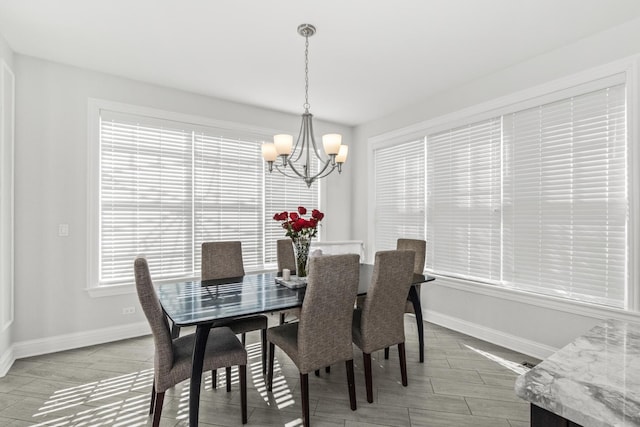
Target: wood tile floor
[[463, 382]]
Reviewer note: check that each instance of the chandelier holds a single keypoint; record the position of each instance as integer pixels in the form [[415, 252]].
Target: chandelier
[[297, 160]]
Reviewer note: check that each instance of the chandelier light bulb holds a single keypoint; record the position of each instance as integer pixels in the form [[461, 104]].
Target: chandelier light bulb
[[283, 144], [342, 154], [331, 143], [269, 152]]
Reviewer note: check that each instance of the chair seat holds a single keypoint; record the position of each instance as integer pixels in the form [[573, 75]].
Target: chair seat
[[223, 350], [242, 325]]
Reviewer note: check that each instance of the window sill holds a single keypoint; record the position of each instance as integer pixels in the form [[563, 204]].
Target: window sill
[[130, 288], [107, 291], [544, 301]]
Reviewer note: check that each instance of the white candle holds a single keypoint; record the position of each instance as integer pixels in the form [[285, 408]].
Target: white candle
[[286, 274]]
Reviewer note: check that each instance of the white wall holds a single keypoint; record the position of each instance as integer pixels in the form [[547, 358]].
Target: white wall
[[53, 309], [525, 326], [6, 356]]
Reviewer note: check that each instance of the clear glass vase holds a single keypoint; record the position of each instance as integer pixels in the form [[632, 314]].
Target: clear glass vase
[[301, 246]]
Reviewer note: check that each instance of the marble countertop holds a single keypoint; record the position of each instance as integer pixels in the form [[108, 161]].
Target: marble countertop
[[594, 381]]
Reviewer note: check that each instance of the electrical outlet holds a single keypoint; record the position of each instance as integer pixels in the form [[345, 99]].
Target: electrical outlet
[[128, 310], [63, 230]]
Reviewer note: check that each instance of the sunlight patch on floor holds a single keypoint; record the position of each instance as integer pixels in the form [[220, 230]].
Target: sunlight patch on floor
[[512, 366], [131, 411]]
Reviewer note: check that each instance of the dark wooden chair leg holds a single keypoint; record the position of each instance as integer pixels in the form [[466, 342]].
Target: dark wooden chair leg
[[214, 379], [272, 350], [244, 339], [327, 369], [242, 373], [228, 369], [403, 363], [153, 396], [264, 351], [351, 384], [304, 391], [368, 376], [283, 317], [386, 353], [157, 411]]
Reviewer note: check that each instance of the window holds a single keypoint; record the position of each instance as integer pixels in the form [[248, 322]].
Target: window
[[399, 193], [165, 186], [533, 197], [565, 202], [463, 202]]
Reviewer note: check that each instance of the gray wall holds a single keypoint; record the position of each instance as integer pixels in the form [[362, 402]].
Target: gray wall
[[521, 325], [52, 304]]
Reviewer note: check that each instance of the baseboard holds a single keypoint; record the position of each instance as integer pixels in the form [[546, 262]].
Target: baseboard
[[6, 361], [80, 339], [512, 342]]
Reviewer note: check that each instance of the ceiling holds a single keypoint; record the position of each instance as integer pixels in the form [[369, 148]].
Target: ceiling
[[368, 58]]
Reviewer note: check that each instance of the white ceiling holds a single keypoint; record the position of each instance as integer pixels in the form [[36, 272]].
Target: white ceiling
[[368, 58]]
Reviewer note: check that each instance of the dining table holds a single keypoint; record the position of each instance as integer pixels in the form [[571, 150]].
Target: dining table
[[201, 303]]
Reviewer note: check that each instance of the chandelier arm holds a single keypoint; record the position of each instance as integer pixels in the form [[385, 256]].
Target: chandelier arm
[[295, 170], [313, 139], [299, 142], [328, 172], [327, 163], [296, 176]]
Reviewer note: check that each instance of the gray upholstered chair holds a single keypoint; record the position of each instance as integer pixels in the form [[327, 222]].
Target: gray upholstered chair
[[223, 260], [173, 357], [286, 255], [380, 322], [420, 249], [286, 259], [322, 336]]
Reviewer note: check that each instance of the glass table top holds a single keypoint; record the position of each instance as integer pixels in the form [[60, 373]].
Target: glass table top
[[196, 302]]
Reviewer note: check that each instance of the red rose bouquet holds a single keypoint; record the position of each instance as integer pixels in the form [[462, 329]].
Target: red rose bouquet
[[301, 230]]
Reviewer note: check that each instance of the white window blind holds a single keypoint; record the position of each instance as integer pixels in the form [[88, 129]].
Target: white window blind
[[145, 201], [399, 193], [463, 201], [285, 194], [228, 195], [166, 187], [535, 199], [565, 201]]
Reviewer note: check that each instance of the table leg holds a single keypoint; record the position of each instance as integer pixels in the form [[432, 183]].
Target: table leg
[[199, 346], [417, 307]]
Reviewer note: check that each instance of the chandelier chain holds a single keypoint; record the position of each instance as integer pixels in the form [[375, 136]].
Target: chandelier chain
[[306, 73]]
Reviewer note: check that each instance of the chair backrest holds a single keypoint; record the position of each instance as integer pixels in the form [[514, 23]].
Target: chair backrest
[[382, 322], [221, 260], [286, 255], [324, 331], [419, 247], [156, 318]]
